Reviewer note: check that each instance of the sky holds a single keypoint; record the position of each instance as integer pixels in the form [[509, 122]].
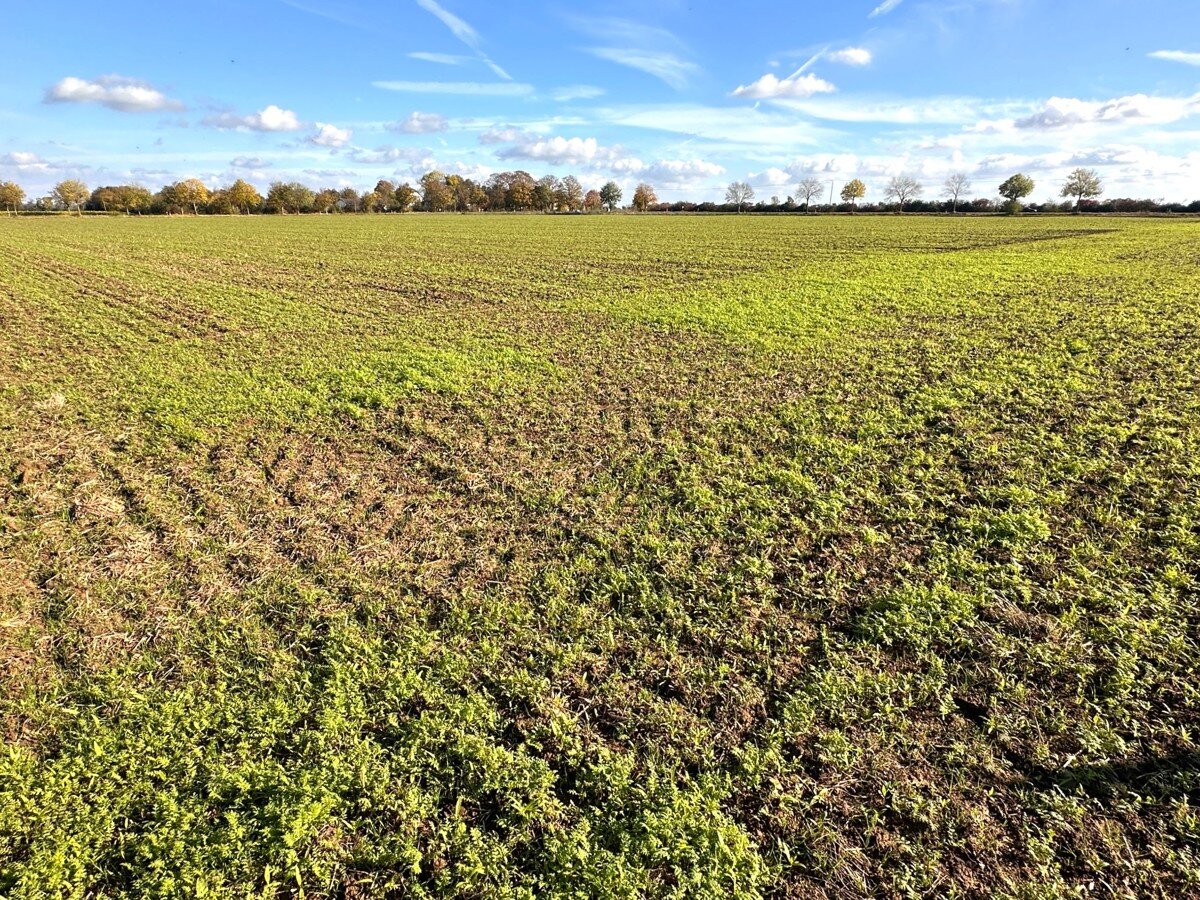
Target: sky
[[687, 95]]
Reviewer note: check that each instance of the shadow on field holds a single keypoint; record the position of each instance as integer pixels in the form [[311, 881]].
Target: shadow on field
[[1168, 777]]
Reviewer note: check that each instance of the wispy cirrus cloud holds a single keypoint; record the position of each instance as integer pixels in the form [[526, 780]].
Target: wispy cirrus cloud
[[667, 67], [462, 30], [577, 92], [884, 8], [1180, 56], [646, 48], [114, 92], [471, 88], [442, 59]]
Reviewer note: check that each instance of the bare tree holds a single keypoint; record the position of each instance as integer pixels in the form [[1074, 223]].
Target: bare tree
[[956, 185], [809, 188], [902, 189], [739, 193]]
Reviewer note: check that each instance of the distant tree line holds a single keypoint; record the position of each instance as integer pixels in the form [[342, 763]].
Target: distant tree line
[[520, 192]]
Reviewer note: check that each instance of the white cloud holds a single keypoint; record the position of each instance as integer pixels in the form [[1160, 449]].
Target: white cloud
[[489, 89], [898, 111], [506, 135], [663, 65], [1070, 112], [249, 162], [331, 136], [269, 118], [464, 32], [444, 59], [679, 174], [457, 26], [25, 162], [884, 8], [1179, 56], [770, 87], [380, 155], [758, 130], [563, 151], [113, 91], [420, 123], [577, 92], [851, 56]]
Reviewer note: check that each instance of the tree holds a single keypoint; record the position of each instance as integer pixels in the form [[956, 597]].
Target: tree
[[124, 198], [610, 195], [350, 201], [956, 185], [901, 189], [12, 195], [572, 194], [461, 190], [739, 193], [104, 198], [291, 196], [544, 192], [188, 193], [592, 201], [809, 188], [1016, 188], [1082, 184], [435, 193], [369, 202], [405, 197], [244, 198], [325, 201], [70, 194], [853, 191], [386, 192], [644, 197]]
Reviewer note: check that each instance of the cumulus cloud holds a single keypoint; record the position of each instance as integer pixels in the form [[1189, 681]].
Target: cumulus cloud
[[770, 87], [420, 123], [23, 161], [381, 155], [1066, 112], [506, 135], [331, 136], [113, 91], [682, 173], [851, 56], [562, 151], [1179, 56], [270, 118]]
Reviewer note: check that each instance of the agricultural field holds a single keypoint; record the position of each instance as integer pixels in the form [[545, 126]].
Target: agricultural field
[[605, 556]]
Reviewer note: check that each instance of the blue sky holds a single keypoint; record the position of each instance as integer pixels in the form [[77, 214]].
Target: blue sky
[[685, 94]]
